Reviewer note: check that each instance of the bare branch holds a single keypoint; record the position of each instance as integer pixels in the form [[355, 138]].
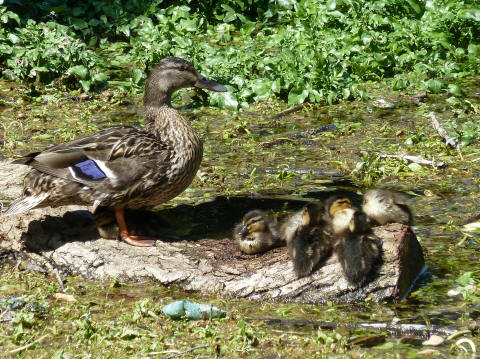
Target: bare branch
[[415, 159]]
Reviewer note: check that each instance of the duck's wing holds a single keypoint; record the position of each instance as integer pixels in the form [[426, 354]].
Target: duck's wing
[[399, 198], [109, 161]]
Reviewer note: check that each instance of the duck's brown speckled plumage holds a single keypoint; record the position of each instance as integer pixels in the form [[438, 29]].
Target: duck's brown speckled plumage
[[141, 167]]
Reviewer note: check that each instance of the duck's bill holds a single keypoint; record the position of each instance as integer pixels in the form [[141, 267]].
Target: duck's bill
[[204, 83], [243, 231]]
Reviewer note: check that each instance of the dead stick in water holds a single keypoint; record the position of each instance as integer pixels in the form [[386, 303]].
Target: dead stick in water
[[415, 159], [450, 141], [288, 111], [418, 330]]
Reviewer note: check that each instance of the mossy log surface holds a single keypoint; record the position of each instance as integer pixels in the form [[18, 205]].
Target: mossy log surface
[[66, 237]]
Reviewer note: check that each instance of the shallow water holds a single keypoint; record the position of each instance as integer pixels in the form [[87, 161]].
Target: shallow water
[[261, 162]]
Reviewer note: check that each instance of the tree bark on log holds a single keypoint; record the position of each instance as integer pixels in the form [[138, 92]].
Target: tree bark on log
[[66, 237]]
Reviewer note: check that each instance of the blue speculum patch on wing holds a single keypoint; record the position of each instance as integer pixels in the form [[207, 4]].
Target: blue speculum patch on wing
[[88, 170]]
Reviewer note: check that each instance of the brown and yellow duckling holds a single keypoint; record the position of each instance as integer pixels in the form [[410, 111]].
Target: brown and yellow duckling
[[308, 243], [257, 233], [336, 214], [384, 206], [124, 167], [357, 249]]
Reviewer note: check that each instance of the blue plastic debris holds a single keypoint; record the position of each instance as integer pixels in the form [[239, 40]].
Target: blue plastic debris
[[191, 310]]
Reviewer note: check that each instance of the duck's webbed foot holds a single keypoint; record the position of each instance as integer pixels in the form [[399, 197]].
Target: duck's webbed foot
[[133, 240], [137, 241]]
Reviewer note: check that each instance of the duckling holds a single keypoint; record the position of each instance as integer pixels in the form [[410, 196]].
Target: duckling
[[357, 249], [337, 214], [335, 204], [383, 206], [139, 222], [124, 167], [289, 228], [308, 244], [105, 222], [256, 233]]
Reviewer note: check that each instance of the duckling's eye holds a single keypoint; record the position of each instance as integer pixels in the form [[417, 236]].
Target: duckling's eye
[[182, 68]]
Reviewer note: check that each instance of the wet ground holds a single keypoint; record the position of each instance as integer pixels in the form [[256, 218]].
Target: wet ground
[[307, 154]]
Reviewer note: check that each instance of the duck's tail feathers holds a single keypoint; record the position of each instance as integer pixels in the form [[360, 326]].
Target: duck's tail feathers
[[24, 204]]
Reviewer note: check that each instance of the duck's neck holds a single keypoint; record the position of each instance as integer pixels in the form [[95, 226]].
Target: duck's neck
[[171, 128]]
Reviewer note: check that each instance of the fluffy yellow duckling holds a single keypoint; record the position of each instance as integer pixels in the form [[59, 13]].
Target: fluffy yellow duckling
[[256, 233], [383, 206]]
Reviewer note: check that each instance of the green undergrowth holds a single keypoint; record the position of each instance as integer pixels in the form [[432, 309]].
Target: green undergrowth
[[310, 50]]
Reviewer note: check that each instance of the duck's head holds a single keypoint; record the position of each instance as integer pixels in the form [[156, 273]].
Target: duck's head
[[312, 214], [253, 222], [359, 223], [172, 74], [335, 204]]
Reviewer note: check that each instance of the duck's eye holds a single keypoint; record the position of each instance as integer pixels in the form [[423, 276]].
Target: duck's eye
[[182, 68]]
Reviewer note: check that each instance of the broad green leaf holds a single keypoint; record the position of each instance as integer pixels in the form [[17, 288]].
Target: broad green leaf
[[79, 70], [434, 86], [416, 6], [85, 85], [13, 38], [78, 23], [100, 77], [286, 4], [455, 90], [331, 5], [226, 100], [137, 76], [297, 96], [261, 88]]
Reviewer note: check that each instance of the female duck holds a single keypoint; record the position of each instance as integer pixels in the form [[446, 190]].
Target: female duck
[[122, 166]]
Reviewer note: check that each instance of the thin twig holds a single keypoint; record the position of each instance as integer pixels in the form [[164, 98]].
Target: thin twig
[[179, 353], [28, 345], [59, 279], [415, 159], [288, 111], [450, 141]]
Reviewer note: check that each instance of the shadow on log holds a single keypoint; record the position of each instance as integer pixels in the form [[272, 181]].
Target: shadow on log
[[197, 255]]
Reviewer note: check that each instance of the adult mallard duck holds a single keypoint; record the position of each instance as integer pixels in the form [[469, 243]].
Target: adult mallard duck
[[123, 166], [256, 233]]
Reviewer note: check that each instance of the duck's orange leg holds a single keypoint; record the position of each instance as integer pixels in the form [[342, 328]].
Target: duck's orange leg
[[137, 241]]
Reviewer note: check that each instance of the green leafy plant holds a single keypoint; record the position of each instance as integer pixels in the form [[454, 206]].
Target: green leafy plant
[[295, 50]]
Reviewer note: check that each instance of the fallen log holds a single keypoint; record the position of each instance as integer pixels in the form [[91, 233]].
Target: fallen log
[[195, 260]]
